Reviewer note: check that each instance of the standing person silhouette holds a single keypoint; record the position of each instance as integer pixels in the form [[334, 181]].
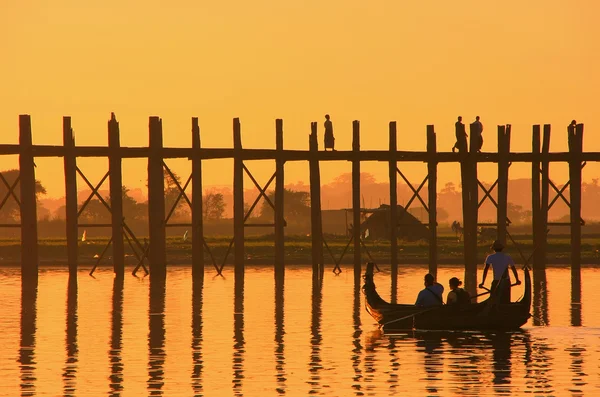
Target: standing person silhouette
[[479, 133], [461, 136], [329, 139], [500, 263]]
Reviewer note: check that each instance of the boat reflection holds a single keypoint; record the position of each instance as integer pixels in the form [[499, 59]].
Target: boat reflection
[[156, 336], [70, 369], [461, 355], [28, 328]]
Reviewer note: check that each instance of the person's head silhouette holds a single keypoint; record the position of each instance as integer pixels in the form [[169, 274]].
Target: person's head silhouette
[[459, 118], [326, 117], [477, 118]]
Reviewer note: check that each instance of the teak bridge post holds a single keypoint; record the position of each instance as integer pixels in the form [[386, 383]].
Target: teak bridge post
[[197, 210], [315, 202], [156, 201], [432, 199], [503, 165], [542, 242], [575, 132], [116, 195], [393, 174], [470, 209], [356, 209], [238, 201], [70, 164], [279, 200], [536, 212], [29, 233]]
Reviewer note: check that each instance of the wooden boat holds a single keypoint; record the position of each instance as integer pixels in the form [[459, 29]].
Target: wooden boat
[[485, 315]]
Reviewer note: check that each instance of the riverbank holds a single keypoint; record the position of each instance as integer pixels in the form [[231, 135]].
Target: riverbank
[[260, 250]]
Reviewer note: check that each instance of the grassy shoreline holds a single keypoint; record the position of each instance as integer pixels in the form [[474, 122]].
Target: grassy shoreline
[[260, 250]]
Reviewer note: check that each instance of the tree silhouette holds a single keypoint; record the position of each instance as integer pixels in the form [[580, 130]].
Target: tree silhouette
[[10, 211], [296, 208]]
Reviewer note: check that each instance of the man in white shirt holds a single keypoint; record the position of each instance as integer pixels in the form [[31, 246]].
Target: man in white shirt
[[500, 263]]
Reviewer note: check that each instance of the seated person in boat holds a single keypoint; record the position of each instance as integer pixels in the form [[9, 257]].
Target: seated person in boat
[[457, 295], [431, 295], [500, 262]]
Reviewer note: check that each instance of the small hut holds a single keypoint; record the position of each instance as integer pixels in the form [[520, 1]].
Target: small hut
[[377, 225]]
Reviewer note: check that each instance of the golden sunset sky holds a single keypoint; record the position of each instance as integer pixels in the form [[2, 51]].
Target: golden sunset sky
[[426, 62]]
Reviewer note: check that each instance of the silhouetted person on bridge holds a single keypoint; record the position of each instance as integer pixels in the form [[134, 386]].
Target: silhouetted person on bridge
[[479, 131], [329, 139], [461, 137]]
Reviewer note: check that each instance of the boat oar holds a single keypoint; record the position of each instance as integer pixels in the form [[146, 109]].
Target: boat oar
[[411, 315], [487, 291]]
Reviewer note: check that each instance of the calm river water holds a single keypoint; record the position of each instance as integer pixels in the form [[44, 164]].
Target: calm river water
[[106, 338]]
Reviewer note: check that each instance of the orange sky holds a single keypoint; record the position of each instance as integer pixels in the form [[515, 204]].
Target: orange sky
[[415, 62]]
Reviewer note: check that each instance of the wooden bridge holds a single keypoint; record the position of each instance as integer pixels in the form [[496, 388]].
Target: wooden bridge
[[155, 251]]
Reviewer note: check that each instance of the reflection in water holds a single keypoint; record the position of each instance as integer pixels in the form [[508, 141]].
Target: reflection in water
[[576, 367], [70, 370], [116, 335], [540, 298], [465, 360], [238, 337], [316, 337], [394, 364], [501, 345], [430, 343], [372, 346], [197, 286], [156, 337], [538, 366], [357, 350], [576, 299], [280, 374], [28, 328]]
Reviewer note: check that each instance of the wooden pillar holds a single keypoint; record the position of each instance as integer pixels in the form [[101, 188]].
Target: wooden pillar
[[70, 163], [535, 196], [116, 195], [279, 199], [356, 196], [432, 198], [470, 217], [503, 152], [575, 162], [238, 200], [316, 230], [542, 242], [29, 238], [393, 172], [197, 210], [156, 201]]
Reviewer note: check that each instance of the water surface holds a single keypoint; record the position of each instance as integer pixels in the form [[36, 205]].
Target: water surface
[[298, 337]]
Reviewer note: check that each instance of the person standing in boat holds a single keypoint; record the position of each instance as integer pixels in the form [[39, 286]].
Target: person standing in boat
[[457, 295], [329, 139], [431, 295], [500, 262]]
